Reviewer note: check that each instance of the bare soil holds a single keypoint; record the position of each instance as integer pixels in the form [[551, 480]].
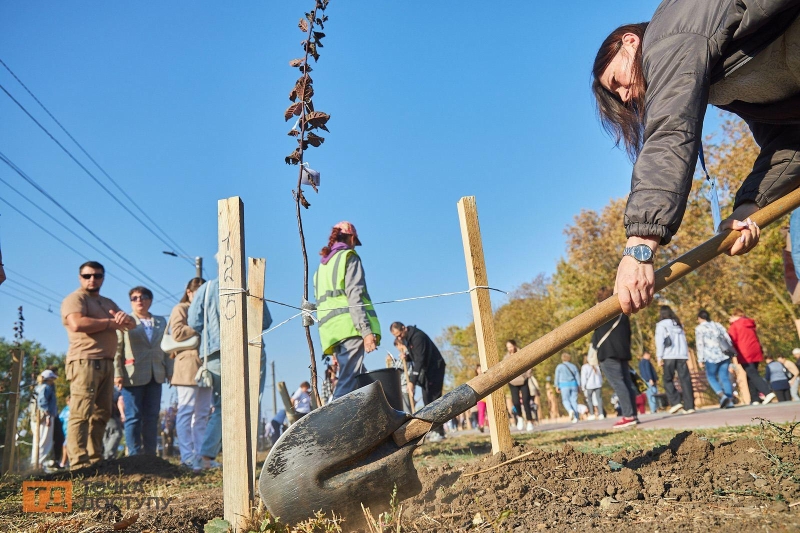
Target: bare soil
[[689, 484]]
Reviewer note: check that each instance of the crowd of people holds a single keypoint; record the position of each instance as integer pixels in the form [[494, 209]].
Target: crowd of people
[[117, 364]]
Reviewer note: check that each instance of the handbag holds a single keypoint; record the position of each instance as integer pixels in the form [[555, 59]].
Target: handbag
[[170, 345], [724, 342], [203, 376], [592, 355]]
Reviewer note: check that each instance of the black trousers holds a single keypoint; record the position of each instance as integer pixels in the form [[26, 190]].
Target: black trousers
[[682, 368], [618, 374], [433, 391], [784, 395], [755, 382], [526, 400]]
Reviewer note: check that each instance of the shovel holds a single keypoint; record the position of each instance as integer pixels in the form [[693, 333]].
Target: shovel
[[356, 450]]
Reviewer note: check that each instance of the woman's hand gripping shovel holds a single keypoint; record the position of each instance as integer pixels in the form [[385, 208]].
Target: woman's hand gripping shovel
[[357, 449]]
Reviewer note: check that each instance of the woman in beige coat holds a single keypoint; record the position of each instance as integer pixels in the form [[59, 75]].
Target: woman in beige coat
[[194, 403]]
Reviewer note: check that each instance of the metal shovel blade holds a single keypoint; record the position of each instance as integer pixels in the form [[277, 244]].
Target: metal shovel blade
[[337, 458]]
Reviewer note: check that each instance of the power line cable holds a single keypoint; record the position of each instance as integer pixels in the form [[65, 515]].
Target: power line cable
[[97, 181], [81, 224], [75, 234], [53, 235], [17, 274], [175, 244], [48, 298], [27, 295], [21, 299]]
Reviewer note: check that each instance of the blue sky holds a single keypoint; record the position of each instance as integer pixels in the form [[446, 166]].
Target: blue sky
[[182, 104]]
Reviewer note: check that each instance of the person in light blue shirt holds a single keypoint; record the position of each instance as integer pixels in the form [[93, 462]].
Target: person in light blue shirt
[[203, 317], [567, 380]]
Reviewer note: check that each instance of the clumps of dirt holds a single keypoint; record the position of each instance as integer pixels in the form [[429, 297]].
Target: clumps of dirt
[[141, 466], [688, 484]]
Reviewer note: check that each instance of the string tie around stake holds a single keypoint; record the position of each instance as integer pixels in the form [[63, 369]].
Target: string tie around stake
[[308, 317]]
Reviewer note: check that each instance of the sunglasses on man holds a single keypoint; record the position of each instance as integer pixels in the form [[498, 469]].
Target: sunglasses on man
[[139, 298], [95, 275]]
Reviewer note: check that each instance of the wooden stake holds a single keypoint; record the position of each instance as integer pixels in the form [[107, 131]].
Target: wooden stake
[[255, 344], [13, 411], [291, 414], [409, 391], [237, 486], [484, 320]]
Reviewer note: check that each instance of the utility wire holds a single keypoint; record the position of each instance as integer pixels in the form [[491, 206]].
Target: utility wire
[[73, 232], [175, 244], [17, 274], [23, 300], [81, 224], [53, 235], [48, 298], [27, 295], [120, 202]]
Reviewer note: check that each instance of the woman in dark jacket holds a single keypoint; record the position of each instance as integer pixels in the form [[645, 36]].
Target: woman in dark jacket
[[612, 341], [652, 82]]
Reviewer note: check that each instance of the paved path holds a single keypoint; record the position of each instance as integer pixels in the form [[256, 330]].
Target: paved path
[[704, 418]]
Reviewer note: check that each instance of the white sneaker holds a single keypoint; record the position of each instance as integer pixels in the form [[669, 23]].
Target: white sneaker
[[575, 420], [601, 417], [433, 436], [572, 415], [675, 408], [520, 424], [590, 417], [768, 398], [529, 426]]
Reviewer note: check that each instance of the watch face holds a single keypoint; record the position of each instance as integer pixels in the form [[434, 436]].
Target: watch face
[[642, 252]]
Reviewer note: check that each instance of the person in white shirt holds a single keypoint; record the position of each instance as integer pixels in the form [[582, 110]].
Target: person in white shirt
[[301, 400], [591, 384], [714, 352]]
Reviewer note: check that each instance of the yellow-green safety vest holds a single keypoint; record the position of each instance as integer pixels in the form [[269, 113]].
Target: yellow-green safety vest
[[335, 324]]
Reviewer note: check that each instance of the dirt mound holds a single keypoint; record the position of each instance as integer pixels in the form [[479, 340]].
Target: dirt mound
[[141, 466], [689, 483]]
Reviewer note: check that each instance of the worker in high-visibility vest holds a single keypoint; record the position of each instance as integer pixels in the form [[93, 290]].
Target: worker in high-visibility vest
[[348, 324]]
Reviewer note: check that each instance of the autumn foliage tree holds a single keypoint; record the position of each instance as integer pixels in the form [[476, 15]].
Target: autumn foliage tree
[[594, 245]]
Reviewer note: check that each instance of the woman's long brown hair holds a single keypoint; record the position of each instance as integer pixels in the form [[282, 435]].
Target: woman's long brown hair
[[192, 286], [623, 121], [336, 236]]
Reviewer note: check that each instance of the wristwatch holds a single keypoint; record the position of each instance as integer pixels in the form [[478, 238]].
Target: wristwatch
[[641, 252]]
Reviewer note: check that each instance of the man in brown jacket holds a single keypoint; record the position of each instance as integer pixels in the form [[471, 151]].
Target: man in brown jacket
[[91, 321]]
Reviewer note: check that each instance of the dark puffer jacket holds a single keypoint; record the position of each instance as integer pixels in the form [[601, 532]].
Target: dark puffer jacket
[[689, 45]]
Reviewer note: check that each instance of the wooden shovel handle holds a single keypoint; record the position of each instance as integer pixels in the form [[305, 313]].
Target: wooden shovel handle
[[564, 335]]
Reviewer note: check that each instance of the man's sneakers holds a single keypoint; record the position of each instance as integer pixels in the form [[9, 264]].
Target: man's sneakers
[[573, 417], [675, 408], [529, 426], [520, 424], [687, 411], [625, 422], [768, 398], [590, 417], [601, 417]]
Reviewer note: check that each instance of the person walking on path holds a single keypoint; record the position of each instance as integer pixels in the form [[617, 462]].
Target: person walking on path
[[203, 317], [43, 415], [428, 366], [714, 352], [612, 341], [140, 369], [348, 324], [91, 321], [591, 385], [648, 373], [652, 83], [795, 381], [778, 377], [519, 386], [481, 405], [194, 402], [567, 380], [64, 417], [672, 352], [742, 331]]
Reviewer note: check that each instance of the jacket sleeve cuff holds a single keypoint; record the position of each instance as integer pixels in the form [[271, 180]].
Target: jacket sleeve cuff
[[364, 330], [641, 229]]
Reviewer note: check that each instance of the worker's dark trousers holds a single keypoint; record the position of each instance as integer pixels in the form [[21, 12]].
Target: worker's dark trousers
[[433, 391], [755, 382]]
